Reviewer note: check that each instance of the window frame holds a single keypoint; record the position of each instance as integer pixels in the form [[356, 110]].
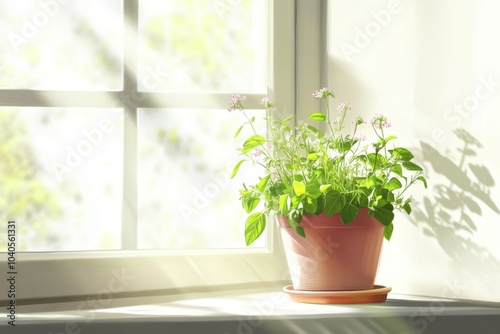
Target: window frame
[[77, 275]]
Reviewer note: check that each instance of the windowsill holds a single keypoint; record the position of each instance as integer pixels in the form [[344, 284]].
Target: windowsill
[[256, 311]]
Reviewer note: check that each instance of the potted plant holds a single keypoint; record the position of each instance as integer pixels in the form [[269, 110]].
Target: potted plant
[[334, 193]]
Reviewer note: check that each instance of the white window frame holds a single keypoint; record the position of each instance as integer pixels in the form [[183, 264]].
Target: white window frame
[[76, 275]]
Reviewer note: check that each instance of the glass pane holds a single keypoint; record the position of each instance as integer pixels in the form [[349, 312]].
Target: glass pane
[[186, 199], [60, 177], [65, 45], [202, 46]]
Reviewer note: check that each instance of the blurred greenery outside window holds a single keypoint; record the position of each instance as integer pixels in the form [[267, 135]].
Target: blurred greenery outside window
[[63, 158]]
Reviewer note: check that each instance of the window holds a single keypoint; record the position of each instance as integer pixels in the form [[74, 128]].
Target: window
[[103, 138], [62, 161]]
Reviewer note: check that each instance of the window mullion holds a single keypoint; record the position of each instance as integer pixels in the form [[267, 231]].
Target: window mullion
[[130, 99], [176, 100], [59, 99]]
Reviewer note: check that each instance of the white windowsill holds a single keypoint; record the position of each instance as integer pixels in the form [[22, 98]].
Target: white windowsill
[[255, 311]]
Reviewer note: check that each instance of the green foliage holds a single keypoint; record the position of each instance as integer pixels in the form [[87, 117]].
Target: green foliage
[[388, 229], [204, 39], [254, 226], [21, 193], [309, 171], [317, 116], [253, 142]]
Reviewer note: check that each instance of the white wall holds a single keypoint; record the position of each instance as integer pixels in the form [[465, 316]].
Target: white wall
[[426, 65]]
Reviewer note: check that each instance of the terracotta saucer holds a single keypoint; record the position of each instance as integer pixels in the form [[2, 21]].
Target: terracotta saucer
[[376, 295]]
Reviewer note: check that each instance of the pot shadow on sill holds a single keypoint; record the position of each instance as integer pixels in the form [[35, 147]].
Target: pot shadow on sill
[[455, 207]]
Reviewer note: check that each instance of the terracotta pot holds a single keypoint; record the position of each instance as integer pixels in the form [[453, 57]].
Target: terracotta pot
[[333, 256]]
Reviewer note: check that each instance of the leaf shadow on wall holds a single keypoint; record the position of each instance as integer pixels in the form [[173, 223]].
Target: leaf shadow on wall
[[457, 205]]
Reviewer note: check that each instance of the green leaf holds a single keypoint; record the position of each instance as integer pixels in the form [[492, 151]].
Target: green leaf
[[254, 227], [364, 200], [324, 187], [250, 202], [299, 188], [312, 190], [376, 159], [252, 119], [380, 202], [389, 196], [393, 184], [300, 231], [312, 156], [421, 178], [397, 169], [383, 215], [334, 202], [381, 198], [402, 154], [238, 131], [389, 138], [253, 142], [362, 157], [371, 181], [379, 144], [320, 208], [263, 182], [411, 166], [283, 122], [310, 204], [295, 218], [317, 116], [245, 191], [298, 177], [291, 222], [284, 203], [348, 213], [407, 207], [236, 168], [388, 231]]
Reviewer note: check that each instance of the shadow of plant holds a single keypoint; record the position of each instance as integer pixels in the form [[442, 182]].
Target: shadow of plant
[[455, 207]]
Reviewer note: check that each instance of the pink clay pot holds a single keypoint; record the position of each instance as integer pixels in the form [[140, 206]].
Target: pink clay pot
[[333, 256]]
